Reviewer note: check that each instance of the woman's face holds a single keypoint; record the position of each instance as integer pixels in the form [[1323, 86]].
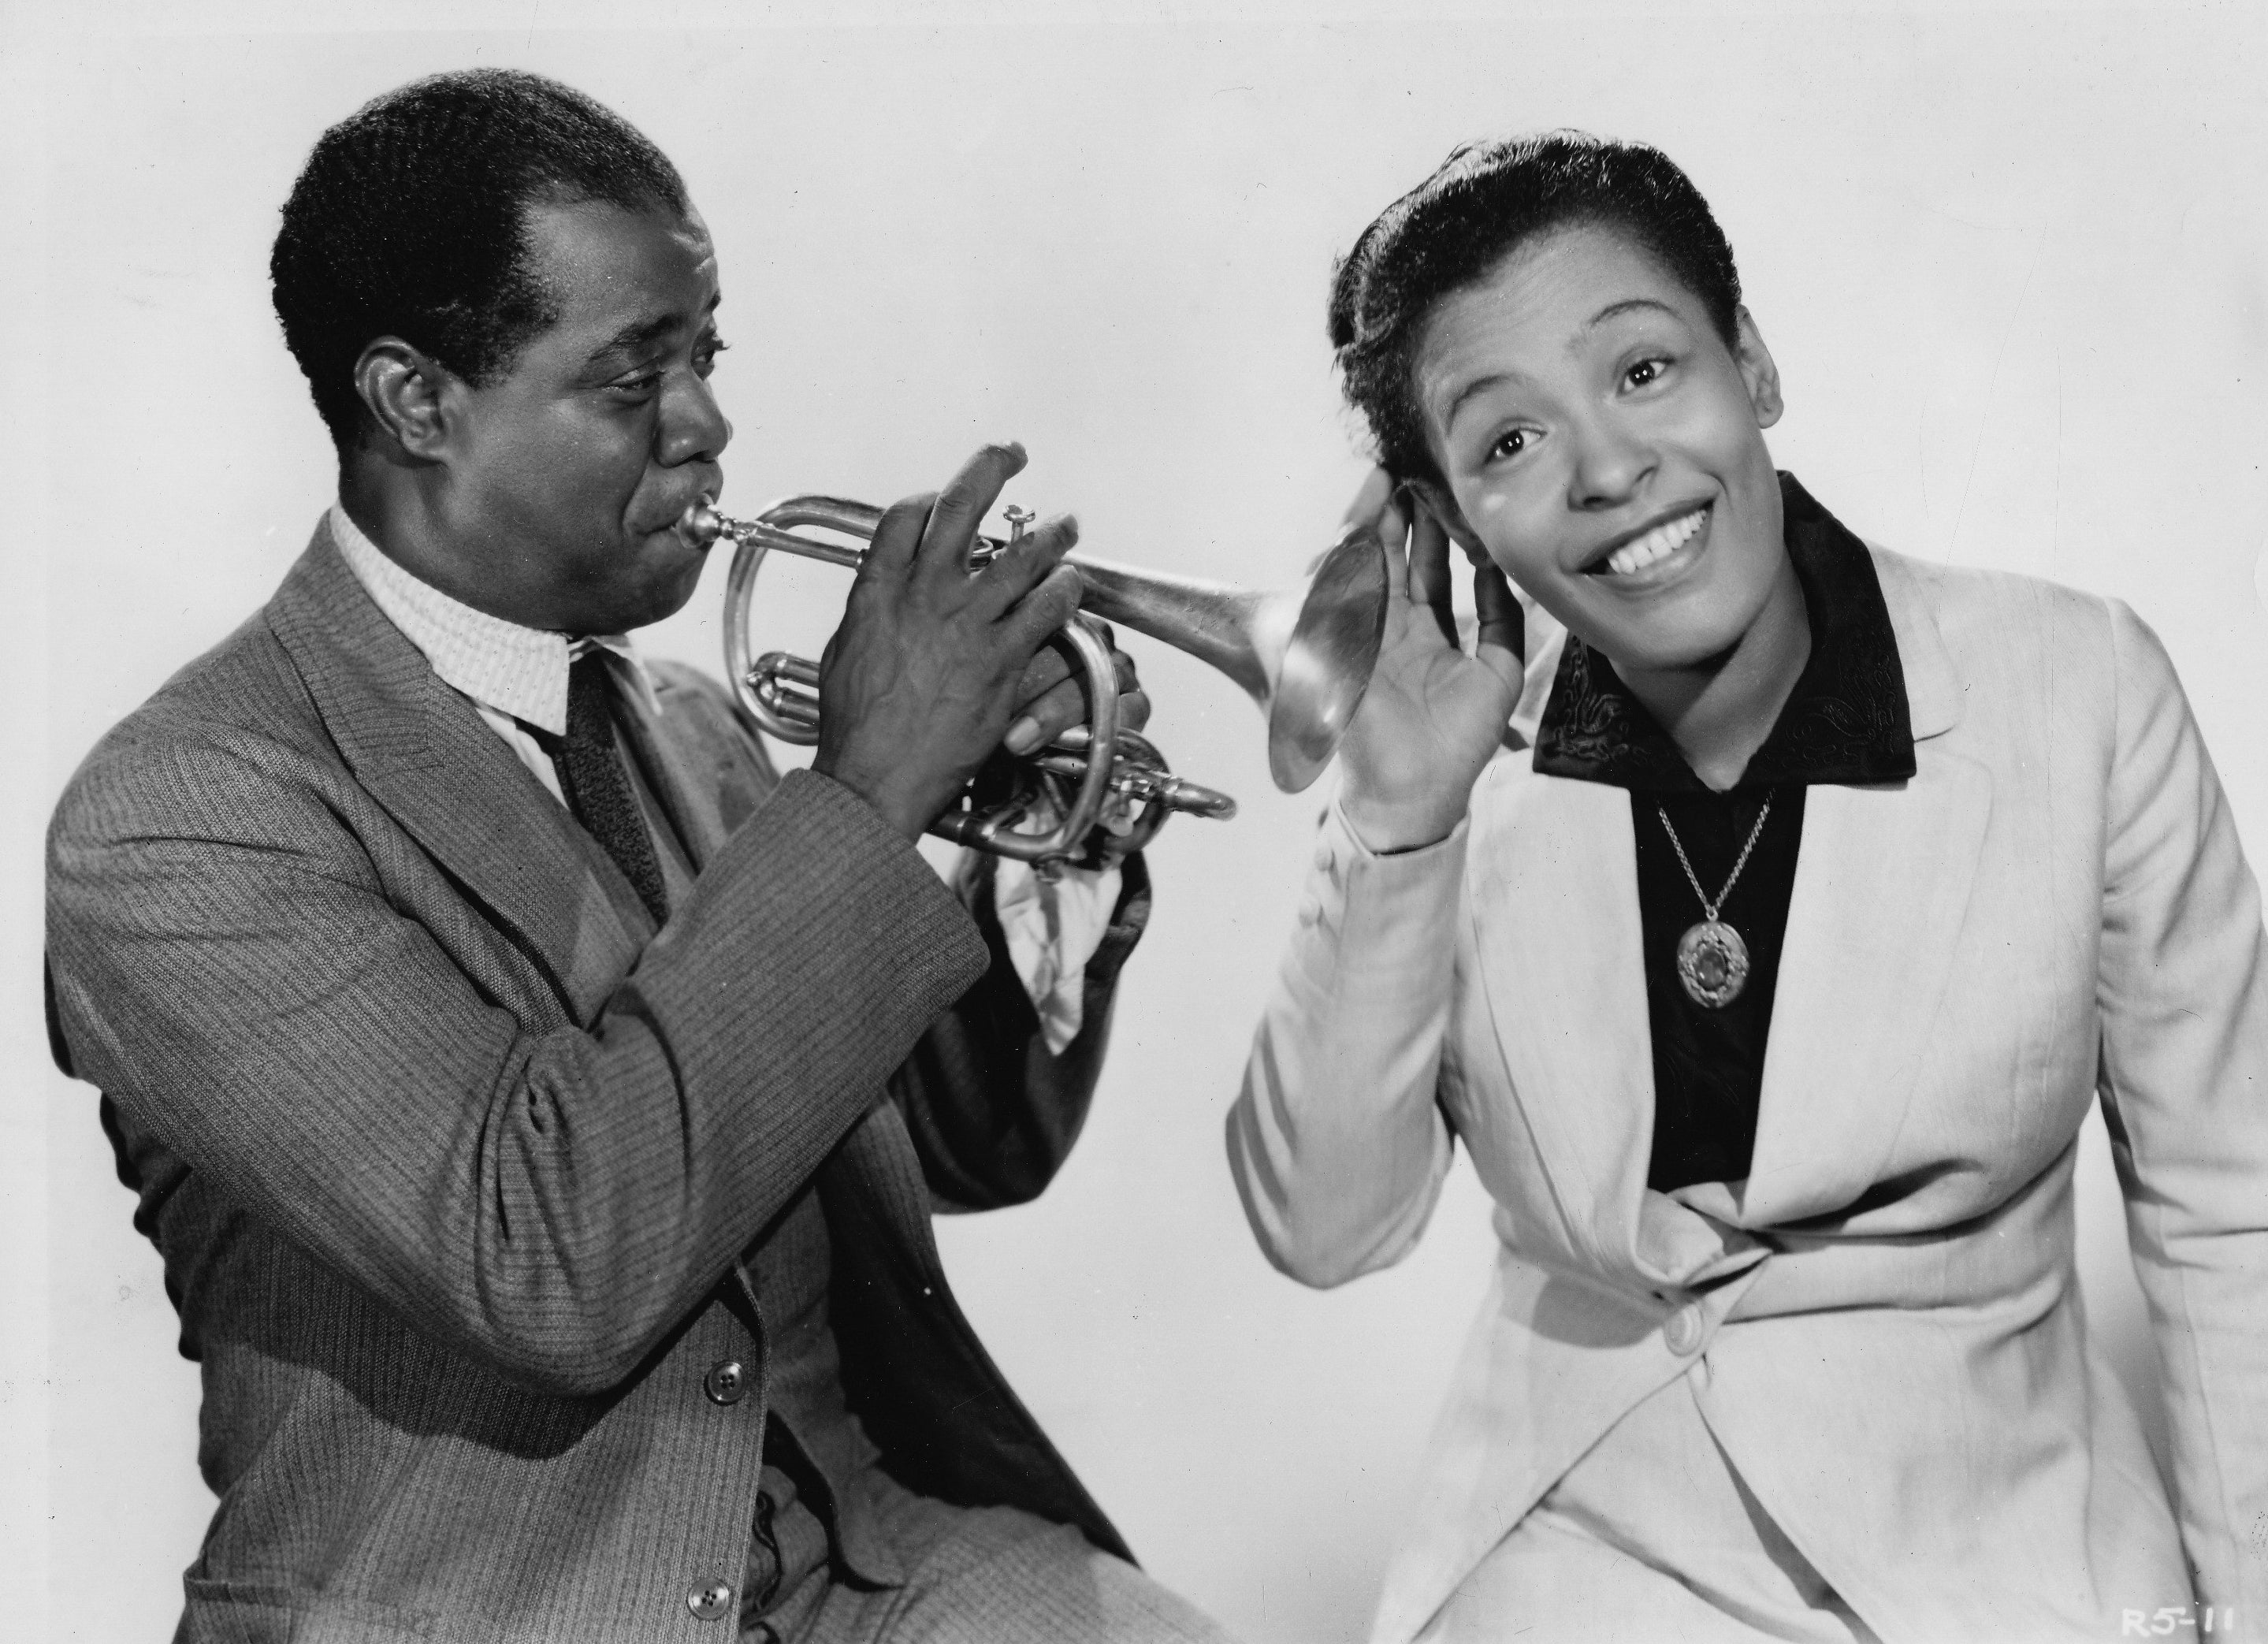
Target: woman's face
[[1606, 448]]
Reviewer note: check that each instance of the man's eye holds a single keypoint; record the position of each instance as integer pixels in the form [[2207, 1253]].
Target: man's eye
[[704, 358], [636, 387]]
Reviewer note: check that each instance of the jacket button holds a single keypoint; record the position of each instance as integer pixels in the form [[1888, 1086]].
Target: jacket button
[[726, 1383], [1683, 1334], [709, 1601]]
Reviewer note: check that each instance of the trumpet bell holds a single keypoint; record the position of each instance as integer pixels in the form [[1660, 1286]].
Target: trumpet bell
[[1327, 663], [1303, 654]]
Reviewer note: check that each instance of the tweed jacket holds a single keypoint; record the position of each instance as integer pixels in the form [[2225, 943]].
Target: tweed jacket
[[1881, 1322], [453, 1171]]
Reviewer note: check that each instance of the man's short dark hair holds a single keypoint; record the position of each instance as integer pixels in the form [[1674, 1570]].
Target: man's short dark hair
[[1483, 203], [410, 219]]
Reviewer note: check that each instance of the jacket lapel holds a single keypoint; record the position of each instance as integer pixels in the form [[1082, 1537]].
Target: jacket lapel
[[1549, 872], [1881, 889], [423, 754]]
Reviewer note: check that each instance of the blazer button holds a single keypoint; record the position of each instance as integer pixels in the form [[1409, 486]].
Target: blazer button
[[709, 1601], [1682, 1333], [726, 1383]]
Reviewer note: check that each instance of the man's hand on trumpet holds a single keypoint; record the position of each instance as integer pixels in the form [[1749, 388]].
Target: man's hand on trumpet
[[1053, 697], [933, 667]]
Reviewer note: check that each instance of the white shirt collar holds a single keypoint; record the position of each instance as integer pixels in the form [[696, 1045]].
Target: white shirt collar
[[517, 671]]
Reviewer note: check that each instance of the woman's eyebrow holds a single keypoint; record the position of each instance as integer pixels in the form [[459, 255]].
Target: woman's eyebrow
[[1625, 306], [1477, 385]]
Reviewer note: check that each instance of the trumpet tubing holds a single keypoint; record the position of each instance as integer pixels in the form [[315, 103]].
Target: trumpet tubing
[[1303, 654]]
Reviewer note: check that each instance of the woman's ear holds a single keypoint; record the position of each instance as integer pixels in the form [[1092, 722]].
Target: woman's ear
[[1757, 370], [1435, 498]]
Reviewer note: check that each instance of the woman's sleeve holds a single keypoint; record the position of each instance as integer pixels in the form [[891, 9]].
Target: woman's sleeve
[[2183, 1000], [1337, 1144]]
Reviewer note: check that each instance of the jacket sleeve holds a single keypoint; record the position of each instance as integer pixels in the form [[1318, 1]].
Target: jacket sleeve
[[229, 968], [992, 1112], [1337, 1141], [2183, 1000]]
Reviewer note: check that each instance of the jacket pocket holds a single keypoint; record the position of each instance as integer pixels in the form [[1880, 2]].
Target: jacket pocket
[[265, 1613]]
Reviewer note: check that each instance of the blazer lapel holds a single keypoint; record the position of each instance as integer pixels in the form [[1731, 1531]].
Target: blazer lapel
[[1555, 899], [1881, 889], [423, 754]]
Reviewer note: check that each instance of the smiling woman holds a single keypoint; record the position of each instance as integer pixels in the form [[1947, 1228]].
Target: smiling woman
[[1608, 455], [1768, 993]]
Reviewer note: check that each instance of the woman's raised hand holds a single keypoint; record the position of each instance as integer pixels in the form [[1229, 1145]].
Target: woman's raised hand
[[1432, 715]]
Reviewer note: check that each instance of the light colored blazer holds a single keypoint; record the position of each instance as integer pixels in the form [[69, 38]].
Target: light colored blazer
[[452, 1162], [2053, 909]]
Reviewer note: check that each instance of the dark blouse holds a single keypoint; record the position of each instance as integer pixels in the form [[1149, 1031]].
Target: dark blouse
[[1844, 722]]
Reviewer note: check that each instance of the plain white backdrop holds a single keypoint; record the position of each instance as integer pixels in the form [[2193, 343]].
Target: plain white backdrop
[[2010, 261]]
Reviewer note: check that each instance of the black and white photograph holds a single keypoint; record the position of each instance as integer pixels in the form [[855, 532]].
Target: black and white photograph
[[1124, 820]]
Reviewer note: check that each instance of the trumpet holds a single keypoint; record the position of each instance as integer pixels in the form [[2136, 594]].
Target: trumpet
[[1304, 654]]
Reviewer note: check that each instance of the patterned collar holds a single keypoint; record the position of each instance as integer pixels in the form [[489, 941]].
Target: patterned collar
[[1845, 721], [520, 672]]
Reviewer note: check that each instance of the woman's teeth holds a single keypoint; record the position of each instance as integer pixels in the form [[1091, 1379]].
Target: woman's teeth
[[1659, 543]]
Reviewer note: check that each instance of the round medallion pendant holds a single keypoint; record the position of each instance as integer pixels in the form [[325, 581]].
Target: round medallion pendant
[[1713, 962]]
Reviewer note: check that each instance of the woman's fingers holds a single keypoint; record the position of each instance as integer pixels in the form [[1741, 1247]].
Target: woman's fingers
[[1429, 570], [1503, 638]]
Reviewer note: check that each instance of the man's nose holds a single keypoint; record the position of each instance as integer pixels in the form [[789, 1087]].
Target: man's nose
[[692, 428]]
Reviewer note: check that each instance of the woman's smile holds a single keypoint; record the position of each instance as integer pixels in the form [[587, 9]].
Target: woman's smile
[[1653, 556]]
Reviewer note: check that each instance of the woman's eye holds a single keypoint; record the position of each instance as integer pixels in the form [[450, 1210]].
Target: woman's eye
[[1510, 444], [1645, 372]]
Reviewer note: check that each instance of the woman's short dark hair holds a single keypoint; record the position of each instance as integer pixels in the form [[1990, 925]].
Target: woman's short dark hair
[[1453, 230], [410, 219]]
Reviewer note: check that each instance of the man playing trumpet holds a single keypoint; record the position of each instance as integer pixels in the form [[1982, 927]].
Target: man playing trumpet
[[538, 1108]]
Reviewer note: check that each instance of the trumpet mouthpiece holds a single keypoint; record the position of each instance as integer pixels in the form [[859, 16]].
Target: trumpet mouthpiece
[[700, 524]]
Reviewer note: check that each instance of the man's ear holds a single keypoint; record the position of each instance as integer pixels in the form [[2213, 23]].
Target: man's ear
[[1438, 502], [405, 390], [1756, 369]]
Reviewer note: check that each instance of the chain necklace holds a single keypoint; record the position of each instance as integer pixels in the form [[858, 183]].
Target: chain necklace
[[1713, 961]]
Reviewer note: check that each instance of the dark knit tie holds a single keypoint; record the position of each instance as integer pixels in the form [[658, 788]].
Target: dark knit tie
[[596, 784]]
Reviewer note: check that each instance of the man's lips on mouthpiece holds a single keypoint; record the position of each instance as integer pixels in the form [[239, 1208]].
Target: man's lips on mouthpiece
[[1650, 547], [688, 522]]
